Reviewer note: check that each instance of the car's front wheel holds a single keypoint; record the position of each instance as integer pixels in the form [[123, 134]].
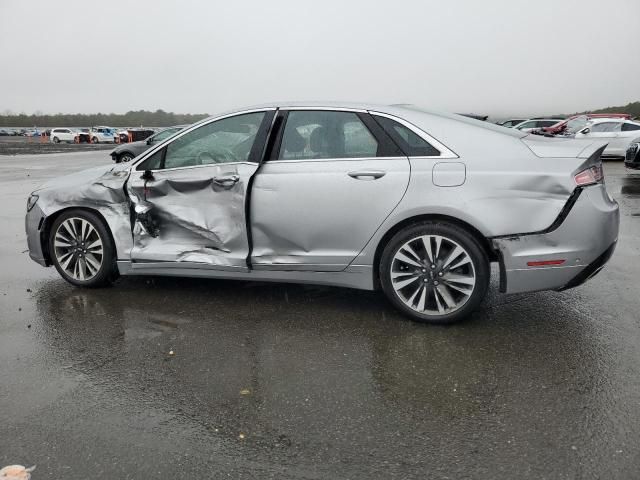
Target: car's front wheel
[[56, 140], [126, 157], [94, 140], [434, 272], [81, 249]]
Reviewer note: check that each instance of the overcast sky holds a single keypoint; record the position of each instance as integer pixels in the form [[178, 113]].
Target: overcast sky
[[496, 57]]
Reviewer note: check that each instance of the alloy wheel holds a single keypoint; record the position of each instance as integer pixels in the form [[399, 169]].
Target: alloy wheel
[[433, 275], [78, 248]]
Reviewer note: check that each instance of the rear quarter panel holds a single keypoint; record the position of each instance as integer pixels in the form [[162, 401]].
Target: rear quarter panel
[[507, 189]]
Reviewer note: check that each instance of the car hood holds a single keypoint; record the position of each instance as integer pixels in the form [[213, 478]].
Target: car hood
[[125, 146], [98, 186]]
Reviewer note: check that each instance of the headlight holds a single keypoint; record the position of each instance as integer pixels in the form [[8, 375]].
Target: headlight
[[33, 198]]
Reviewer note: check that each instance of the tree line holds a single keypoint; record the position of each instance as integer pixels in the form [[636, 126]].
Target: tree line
[[159, 118], [632, 109]]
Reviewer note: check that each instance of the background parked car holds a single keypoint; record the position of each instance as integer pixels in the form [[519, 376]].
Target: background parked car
[[133, 134], [619, 133], [127, 151], [62, 135], [632, 158], [512, 122], [102, 134], [576, 122], [536, 123]]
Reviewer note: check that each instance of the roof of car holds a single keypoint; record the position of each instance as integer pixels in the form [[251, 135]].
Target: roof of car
[[611, 119]]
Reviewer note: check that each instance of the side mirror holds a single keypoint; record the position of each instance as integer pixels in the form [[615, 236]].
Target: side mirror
[[585, 131], [149, 141]]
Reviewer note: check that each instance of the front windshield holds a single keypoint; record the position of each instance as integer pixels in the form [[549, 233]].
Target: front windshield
[[573, 126]]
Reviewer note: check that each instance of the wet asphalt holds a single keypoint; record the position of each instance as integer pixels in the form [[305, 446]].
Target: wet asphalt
[[286, 381]]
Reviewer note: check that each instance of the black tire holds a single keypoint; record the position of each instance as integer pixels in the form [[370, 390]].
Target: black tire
[[125, 157], [56, 140], [94, 140], [463, 238], [107, 271]]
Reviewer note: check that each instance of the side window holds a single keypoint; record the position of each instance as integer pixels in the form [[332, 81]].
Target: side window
[[627, 127], [224, 141], [410, 143], [326, 134], [604, 127], [154, 162]]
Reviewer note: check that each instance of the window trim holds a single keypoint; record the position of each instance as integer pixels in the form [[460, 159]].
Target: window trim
[[284, 113], [445, 152], [202, 123]]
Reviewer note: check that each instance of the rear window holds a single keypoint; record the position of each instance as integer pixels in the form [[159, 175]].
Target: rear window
[[409, 142], [626, 127]]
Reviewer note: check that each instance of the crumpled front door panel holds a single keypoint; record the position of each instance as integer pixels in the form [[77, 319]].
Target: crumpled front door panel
[[192, 215]]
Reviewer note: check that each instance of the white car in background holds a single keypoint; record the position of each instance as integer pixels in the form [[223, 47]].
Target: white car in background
[[62, 135], [536, 123], [102, 134], [619, 133]]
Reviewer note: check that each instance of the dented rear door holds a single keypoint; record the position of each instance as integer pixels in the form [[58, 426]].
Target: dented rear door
[[189, 198]]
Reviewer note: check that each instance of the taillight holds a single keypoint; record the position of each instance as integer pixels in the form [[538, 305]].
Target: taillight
[[590, 176]]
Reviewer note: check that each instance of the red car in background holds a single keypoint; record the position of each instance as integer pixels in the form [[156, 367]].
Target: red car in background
[[576, 122]]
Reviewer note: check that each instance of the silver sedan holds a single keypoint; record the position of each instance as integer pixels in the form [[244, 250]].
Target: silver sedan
[[415, 203]]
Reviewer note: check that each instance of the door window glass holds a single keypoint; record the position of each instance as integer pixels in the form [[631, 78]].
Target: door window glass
[[605, 127], [627, 127], [224, 141], [326, 134]]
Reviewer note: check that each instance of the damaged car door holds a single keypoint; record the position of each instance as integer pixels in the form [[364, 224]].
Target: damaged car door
[[329, 183], [189, 196]]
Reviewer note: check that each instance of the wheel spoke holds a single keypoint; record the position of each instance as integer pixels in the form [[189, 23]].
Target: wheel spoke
[[446, 296], [438, 302], [64, 262], [403, 258], [463, 261], [423, 298], [457, 251], [459, 288], [67, 226], [61, 243], [412, 298], [426, 242], [92, 262], [455, 278], [403, 283]]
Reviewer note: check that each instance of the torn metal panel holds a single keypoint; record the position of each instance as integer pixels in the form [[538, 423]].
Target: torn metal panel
[[191, 214], [100, 189], [572, 242]]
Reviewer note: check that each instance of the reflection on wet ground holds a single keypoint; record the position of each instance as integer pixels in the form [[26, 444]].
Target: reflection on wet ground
[[286, 381]]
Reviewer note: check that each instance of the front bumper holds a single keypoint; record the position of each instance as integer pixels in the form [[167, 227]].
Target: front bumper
[[632, 157], [34, 223], [584, 240]]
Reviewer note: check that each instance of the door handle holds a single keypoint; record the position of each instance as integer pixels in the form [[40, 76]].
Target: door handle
[[367, 174], [227, 181]]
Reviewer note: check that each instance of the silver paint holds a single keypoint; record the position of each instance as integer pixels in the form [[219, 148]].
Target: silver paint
[[322, 221]]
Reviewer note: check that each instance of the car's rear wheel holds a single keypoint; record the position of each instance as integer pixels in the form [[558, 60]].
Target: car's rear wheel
[[434, 272], [126, 157], [56, 140], [94, 140], [81, 249]]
